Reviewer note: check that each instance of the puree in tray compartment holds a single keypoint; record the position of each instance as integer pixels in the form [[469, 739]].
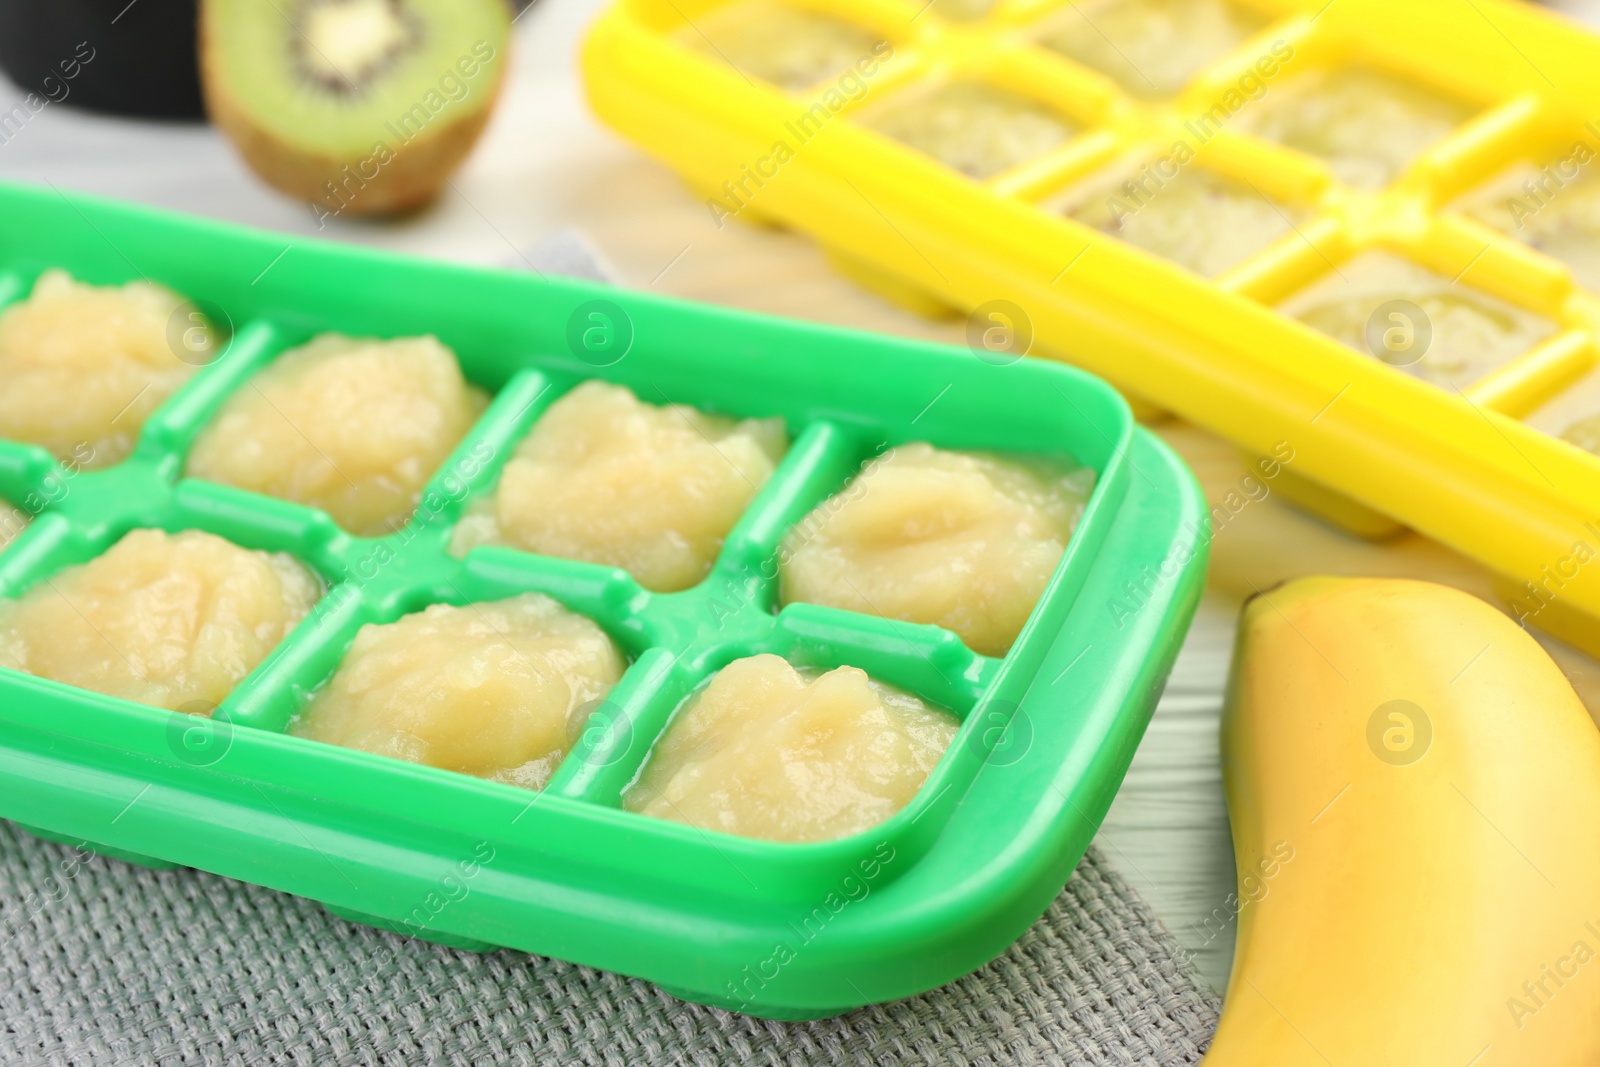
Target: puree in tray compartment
[[770, 752], [966, 541], [607, 478], [1554, 208], [85, 365], [1200, 219], [1371, 304], [962, 10], [171, 620], [500, 690], [1367, 124], [977, 129], [792, 48], [12, 522], [1151, 48], [1573, 414], [1584, 433], [354, 426]]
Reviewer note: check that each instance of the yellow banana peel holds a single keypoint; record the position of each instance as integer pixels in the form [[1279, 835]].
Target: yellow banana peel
[[1414, 790]]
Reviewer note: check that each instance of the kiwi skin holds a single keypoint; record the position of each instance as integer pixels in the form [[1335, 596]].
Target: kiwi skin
[[409, 178]]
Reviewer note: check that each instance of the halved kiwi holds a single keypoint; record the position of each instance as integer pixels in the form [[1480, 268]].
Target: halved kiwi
[[359, 107]]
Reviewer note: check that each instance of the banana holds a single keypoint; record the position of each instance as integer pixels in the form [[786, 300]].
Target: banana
[[1414, 790]]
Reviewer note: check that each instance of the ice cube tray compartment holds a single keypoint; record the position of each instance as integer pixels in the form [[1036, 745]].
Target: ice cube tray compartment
[[1448, 459], [376, 580], [1047, 730]]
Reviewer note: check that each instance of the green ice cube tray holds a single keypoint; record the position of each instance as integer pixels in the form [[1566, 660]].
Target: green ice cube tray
[[778, 930]]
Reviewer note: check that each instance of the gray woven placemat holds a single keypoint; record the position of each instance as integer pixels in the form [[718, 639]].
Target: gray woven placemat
[[102, 962]]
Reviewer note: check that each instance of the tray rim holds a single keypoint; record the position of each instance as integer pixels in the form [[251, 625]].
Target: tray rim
[[67, 784]]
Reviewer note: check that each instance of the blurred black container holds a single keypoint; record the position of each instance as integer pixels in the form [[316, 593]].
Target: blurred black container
[[125, 58]]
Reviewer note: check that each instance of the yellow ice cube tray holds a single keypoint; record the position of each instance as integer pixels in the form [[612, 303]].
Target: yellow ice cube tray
[[1159, 93]]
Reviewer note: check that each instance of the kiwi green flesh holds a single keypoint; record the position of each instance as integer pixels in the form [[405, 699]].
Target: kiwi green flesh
[[335, 77]]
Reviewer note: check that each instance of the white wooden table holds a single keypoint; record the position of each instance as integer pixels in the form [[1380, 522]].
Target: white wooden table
[[546, 165]]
